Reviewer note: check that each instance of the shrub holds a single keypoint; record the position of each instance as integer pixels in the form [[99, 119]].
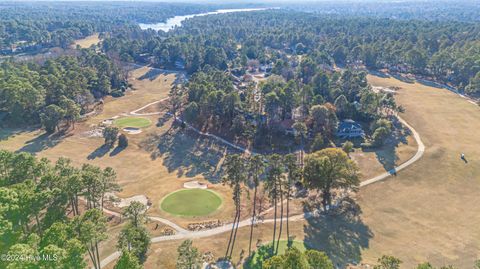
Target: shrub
[[347, 147]]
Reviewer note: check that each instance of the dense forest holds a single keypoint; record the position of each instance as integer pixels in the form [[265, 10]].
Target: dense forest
[[439, 10], [394, 36], [310, 105], [60, 89], [48, 24], [446, 51], [41, 214]]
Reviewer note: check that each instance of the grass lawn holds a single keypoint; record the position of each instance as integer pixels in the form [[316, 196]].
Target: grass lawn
[[132, 122], [194, 202], [432, 206], [263, 253]]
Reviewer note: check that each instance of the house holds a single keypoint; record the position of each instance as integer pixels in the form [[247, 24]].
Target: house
[[349, 129], [266, 68]]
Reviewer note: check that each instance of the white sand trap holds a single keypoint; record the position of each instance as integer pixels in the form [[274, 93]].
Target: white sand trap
[[194, 185], [108, 121], [124, 202], [378, 89], [132, 130]]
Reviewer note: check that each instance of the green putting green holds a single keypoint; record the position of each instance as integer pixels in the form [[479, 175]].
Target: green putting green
[[132, 122], [191, 202], [263, 253]]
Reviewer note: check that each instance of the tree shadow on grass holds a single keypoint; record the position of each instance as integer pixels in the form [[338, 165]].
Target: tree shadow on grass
[[6, 133], [99, 152], [153, 74], [341, 235], [43, 142], [187, 153], [387, 154], [437, 85], [116, 151]]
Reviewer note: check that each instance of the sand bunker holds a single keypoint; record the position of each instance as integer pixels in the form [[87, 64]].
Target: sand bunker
[[378, 89], [132, 130], [124, 202], [108, 122], [194, 185]]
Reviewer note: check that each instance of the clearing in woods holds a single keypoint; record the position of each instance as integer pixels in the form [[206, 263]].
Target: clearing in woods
[[87, 42]]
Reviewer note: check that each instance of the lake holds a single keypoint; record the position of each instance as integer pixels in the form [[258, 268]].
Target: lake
[[177, 20]]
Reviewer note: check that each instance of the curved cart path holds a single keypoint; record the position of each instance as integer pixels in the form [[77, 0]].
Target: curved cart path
[[185, 234], [135, 112], [416, 157]]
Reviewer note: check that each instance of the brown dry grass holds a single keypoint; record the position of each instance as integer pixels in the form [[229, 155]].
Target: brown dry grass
[[430, 210], [376, 162], [342, 237], [87, 42], [156, 162]]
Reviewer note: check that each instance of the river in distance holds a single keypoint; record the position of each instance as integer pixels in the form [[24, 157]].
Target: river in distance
[[171, 23]]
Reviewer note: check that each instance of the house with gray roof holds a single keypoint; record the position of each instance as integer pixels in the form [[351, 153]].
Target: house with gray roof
[[349, 129]]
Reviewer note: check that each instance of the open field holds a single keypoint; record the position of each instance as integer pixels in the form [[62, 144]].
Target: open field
[[194, 202], [432, 206], [87, 42]]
